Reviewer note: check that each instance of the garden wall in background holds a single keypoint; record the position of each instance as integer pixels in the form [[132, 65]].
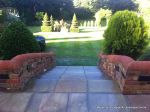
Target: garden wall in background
[[15, 73], [132, 76]]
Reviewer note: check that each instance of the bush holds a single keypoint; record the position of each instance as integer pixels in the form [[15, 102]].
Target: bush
[[126, 35], [146, 55], [17, 39], [46, 27], [75, 30], [74, 25]]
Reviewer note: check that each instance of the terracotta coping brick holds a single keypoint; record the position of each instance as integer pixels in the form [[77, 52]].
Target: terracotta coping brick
[[102, 56], [17, 61], [6, 66], [116, 59], [142, 66], [125, 61]]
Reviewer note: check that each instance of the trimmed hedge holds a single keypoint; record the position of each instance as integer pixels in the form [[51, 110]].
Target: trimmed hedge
[[126, 35], [17, 39]]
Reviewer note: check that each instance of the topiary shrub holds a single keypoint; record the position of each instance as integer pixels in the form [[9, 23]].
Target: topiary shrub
[[52, 22], [17, 39], [146, 55], [126, 34], [74, 25], [46, 27]]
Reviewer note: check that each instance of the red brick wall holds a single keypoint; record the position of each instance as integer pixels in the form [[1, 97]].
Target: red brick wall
[[132, 76], [15, 73]]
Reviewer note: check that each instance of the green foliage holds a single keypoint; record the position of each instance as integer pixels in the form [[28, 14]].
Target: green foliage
[[2, 16], [17, 39], [74, 25], [46, 26], [39, 15], [145, 56], [52, 22], [74, 30], [101, 14], [126, 34]]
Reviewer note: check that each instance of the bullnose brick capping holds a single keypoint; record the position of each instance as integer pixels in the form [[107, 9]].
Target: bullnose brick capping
[[15, 73], [133, 77]]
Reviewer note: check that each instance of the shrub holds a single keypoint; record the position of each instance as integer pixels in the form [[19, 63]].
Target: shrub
[[52, 22], [74, 25], [46, 27], [126, 34], [17, 39], [146, 55]]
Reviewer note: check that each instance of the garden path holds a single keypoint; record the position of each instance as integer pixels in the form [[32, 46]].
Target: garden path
[[73, 89]]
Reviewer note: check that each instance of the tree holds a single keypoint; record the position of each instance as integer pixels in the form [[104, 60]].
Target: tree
[[46, 26], [126, 34], [102, 13], [74, 25], [114, 5], [39, 15]]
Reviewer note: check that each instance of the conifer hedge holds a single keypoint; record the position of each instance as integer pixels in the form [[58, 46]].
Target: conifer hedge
[[126, 34]]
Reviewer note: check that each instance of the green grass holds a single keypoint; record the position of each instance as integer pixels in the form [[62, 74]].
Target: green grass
[[76, 53], [34, 29]]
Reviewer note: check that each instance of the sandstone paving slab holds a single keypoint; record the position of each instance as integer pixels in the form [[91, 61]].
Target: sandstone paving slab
[[104, 86], [139, 103], [48, 102], [89, 69], [75, 76], [107, 103], [42, 85], [77, 102], [71, 86], [51, 76], [14, 102], [34, 104], [58, 69], [75, 69], [54, 102], [95, 76]]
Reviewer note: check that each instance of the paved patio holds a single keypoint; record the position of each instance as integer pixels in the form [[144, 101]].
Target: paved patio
[[73, 89]]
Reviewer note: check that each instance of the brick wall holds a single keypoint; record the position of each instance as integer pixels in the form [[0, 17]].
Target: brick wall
[[133, 77], [15, 73]]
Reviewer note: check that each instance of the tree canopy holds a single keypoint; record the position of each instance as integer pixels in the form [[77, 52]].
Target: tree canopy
[[64, 9]]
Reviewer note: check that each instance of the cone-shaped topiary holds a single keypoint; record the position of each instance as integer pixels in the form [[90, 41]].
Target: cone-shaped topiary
[[126, 34], [52, 22], [74, 25], [17, 39], [46, 26]]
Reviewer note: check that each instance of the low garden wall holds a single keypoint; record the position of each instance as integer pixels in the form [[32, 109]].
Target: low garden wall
[[15, 73], [132, 76]]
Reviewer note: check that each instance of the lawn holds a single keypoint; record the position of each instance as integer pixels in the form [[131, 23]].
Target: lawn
[[76, 53], [74, 48]]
